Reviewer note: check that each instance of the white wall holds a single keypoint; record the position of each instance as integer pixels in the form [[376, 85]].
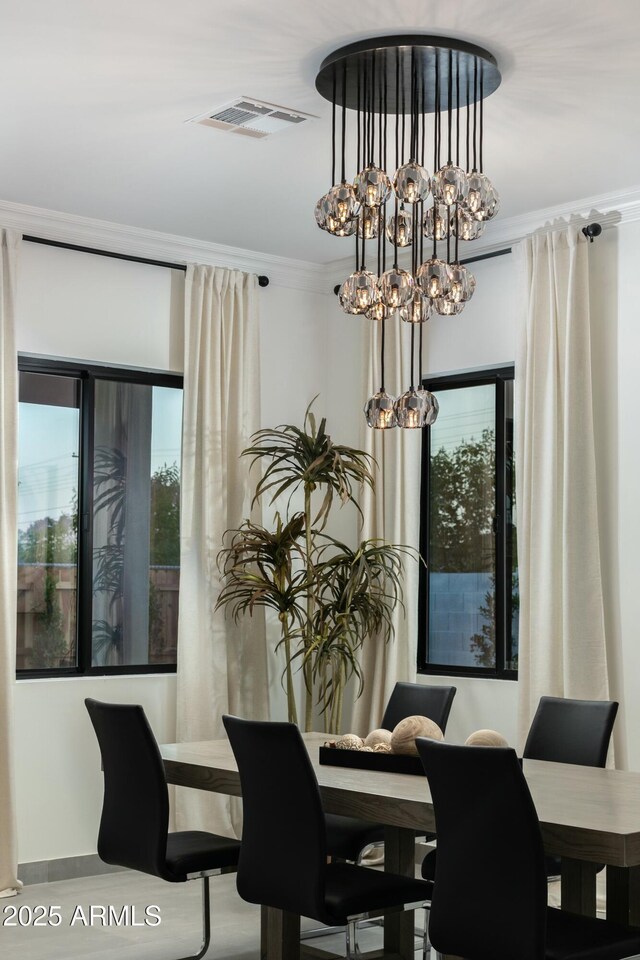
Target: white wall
[[75, 305]]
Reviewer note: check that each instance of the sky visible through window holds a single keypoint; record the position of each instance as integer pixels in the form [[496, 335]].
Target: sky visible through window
[[464, 414], [48, 453]]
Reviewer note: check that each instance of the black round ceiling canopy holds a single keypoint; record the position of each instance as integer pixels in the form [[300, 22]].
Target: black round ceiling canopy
[[390, 68]]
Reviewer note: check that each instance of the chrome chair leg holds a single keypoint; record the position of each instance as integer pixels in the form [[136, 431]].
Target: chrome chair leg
[[426, 946], [206, 922], [352, 943]]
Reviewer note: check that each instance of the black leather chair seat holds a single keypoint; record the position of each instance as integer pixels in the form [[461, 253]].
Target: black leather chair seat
[[190, 851], [571, 937], [351, 890]]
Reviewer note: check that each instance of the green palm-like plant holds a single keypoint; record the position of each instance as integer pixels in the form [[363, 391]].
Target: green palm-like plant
[[258, 570], [357, 592], [307, 458], [330, 599]]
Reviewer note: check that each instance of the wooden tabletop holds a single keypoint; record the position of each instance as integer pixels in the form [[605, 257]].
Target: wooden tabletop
[[585, 813]]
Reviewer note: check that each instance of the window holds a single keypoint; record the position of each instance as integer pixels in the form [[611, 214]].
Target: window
[[98, 519], [468, 613]]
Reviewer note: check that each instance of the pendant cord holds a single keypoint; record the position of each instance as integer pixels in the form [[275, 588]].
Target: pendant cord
[[413, 340], [475, 111], [333, 132], [344, 121], [436, 149], [468, 167], [420, 342], [457, 109], [382, 355], [481, 113], [450, 107]]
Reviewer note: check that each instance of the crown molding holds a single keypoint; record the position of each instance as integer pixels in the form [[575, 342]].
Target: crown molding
[[138, 242], [609, 209]]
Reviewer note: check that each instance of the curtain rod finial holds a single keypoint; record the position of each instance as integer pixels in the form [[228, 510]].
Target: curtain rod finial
[[592, 230]]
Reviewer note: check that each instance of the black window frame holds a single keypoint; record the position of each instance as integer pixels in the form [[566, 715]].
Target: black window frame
[[87, 373], [497, 376]]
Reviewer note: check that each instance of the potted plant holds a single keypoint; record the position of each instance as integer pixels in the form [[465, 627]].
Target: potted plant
[[329, 598]]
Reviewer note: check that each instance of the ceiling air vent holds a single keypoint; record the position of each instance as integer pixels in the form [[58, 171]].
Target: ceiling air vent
[[252, 118]]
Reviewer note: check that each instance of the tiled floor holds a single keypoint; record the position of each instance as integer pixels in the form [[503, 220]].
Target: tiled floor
[[235, 924]]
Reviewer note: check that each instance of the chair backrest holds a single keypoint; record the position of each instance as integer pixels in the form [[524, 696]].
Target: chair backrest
[[135, 810], [284, 848], [411, 699], [490, 893], [571, 731]]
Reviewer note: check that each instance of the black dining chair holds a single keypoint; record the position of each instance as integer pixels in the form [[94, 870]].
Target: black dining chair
[[283, 859], [564, 731], [348, 838], [490, 893], [571, 731], [134, 828]]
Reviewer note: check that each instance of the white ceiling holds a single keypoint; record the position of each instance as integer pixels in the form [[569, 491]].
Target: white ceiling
[[94, 95]]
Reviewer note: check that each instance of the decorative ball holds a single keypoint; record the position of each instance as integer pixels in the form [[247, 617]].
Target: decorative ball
[[486, 738], [403, 738], [350, 741], [382, 747], [366, 749], [377, 736]]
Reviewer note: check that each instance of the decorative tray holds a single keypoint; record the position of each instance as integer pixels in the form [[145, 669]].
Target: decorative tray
[[359, 759]]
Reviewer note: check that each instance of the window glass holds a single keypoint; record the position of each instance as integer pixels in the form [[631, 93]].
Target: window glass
[[469, 584], [461, 539], [98, 521], [136, 547], [48, 484]]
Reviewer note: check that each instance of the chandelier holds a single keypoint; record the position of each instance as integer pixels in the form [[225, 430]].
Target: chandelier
[[416, 105]]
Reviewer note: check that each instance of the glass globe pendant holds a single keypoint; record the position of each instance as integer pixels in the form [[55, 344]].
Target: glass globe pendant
[[337, 229], [478, 190], [372, 186], [433, 278], [379, 311], [379, 411], [343, 204], [464, 226], [411, 410], [447, 308], [431, 405], [463, 284], [396, 287], [320, 212], [359, 292], [435, 218], [411, 182], [368, 224], [418, 310], [400, 228], [491, 205], [449, 185]]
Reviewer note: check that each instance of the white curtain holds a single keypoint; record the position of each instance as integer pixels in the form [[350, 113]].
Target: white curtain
[[9, 246], [221, 666], [562, 638], [392, 514]]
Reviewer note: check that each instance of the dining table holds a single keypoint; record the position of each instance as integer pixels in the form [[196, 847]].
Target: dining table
[[590, 817]]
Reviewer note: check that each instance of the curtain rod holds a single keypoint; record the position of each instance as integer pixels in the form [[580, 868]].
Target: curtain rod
[[262, 280], [591, 231]]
